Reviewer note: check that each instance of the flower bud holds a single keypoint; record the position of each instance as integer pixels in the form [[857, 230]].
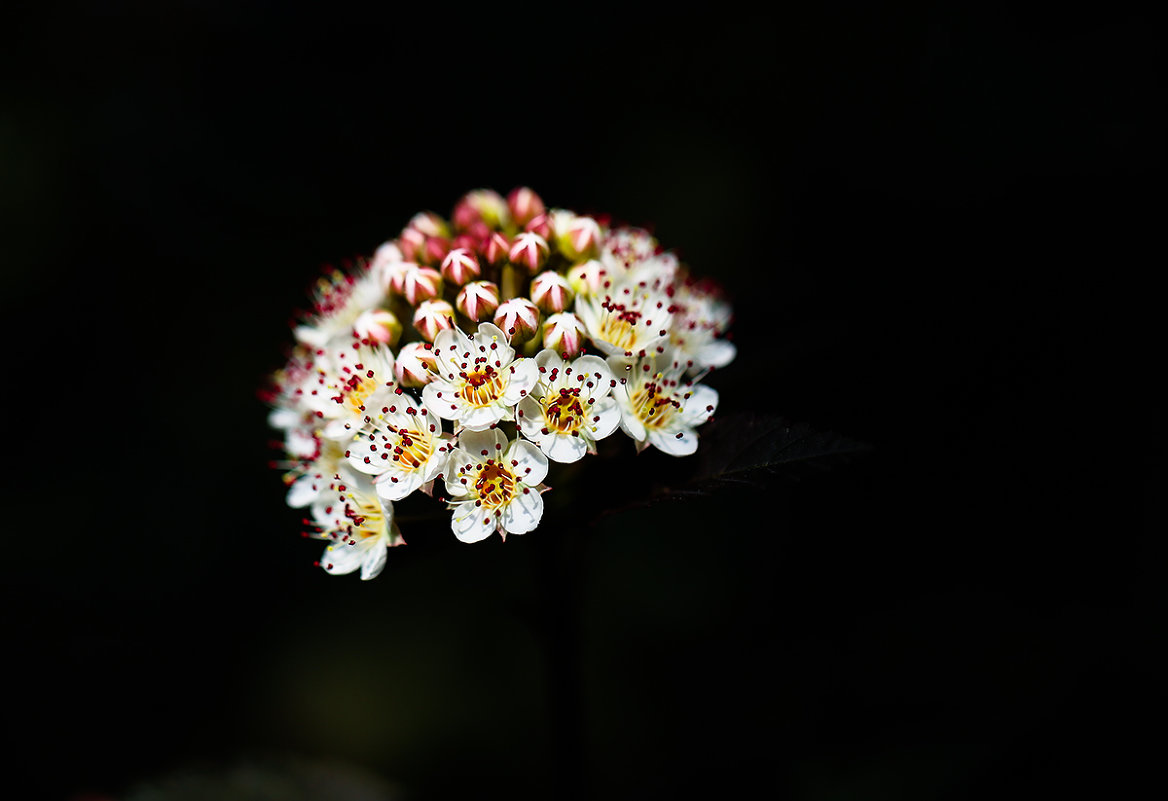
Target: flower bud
[[495, 249], [478, 300], [481, 205], [420, 283], [394, 273], [433, 316], [564, 334], [429, 224], [524, 204], [460, 266], [518, 318], [434, 250], [378, 325], [541, 224], [411, 243], [550, 292], [529, 250], [578, 237], [415, 364], [466, 241], [587, 278]]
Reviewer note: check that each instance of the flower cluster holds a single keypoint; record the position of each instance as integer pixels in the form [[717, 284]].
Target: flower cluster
[[472, 352]]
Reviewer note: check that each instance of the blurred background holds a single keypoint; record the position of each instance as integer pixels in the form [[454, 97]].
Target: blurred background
[[928, 217]]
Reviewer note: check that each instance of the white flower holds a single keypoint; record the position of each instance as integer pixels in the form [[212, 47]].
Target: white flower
[[339, 299], [658, 406], [401, 445], [479, 380], [701, 318], [359, 525], [350, 375], [627, 318], [571, 408], [494, 485]]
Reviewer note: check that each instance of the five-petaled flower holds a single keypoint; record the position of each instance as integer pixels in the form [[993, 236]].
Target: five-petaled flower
[[571, 408], [358, 525], [494, 485]]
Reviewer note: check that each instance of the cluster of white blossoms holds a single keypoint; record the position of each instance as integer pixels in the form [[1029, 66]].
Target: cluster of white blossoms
[[458, 355]]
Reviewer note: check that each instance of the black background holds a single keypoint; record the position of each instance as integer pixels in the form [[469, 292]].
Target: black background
[[928, 217]]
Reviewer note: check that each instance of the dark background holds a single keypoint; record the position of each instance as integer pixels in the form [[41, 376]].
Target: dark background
[[929, 218]]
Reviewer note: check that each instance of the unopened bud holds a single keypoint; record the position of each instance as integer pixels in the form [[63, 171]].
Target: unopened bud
[[587, 278], [478, 300], [429, 224], [420, 283], [433, 316], [578, 238], [460, 266], [551, 292], [524, 204], [415, 364], [434, 250], [518, 318], [541, 224], [480, 205], [495, 249], [378, 325], [411, 243], [529, 251], [564, 334]]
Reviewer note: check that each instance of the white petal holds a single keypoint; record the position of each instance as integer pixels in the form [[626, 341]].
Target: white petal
[[549, 360], [479, 418], [490, 334], [717, 353], [531, 419], [469, 522], [341, 558], [532, 465], [670, 442], [374, 560], [440, 406], [303, 491], [608, 411], [475, 442], [699, 405], [523, 513], [524, 375], [390, 490], [593, 365], [564, 448]]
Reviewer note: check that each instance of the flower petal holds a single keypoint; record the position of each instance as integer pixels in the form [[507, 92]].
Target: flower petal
[[564, 448], [523, 513], [675, 442], [531, 465], [374, 561], [524, 375], [341, 558], [608, 411], [699, 405], [470, 524]]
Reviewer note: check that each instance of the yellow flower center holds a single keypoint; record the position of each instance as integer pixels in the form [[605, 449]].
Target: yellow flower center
[[563, 412], [654, 408], [495, 484], [414, 449], [482, 387]]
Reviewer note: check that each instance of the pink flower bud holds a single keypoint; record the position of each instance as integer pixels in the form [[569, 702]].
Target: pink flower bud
[[460, 266], [411, 243], [495, 249], [420, 283], [551, 292], [541, 224], [518, 318], [429, 224], [415, 364], [478, 300], [483, 206], [529, 250], [578, 238], [394, 274], [587, 278], [524, 204], [434, 250], [433, 316], [564, 334], [466, 241], [378, 325]]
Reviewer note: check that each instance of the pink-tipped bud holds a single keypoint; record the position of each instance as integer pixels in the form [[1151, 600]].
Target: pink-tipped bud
[[564, 334], [518, 318], [434, 250], [551, 292], [495, 249], [578, 238], [433, 316], [429, 224], [411, 243], [420, 283], [460, 266], [378, 325], [415, 364], [524, 204], [541, 224], [480, 205], [587, 278], [466, 241], [393, 275], [478, 300], [529, 250]]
